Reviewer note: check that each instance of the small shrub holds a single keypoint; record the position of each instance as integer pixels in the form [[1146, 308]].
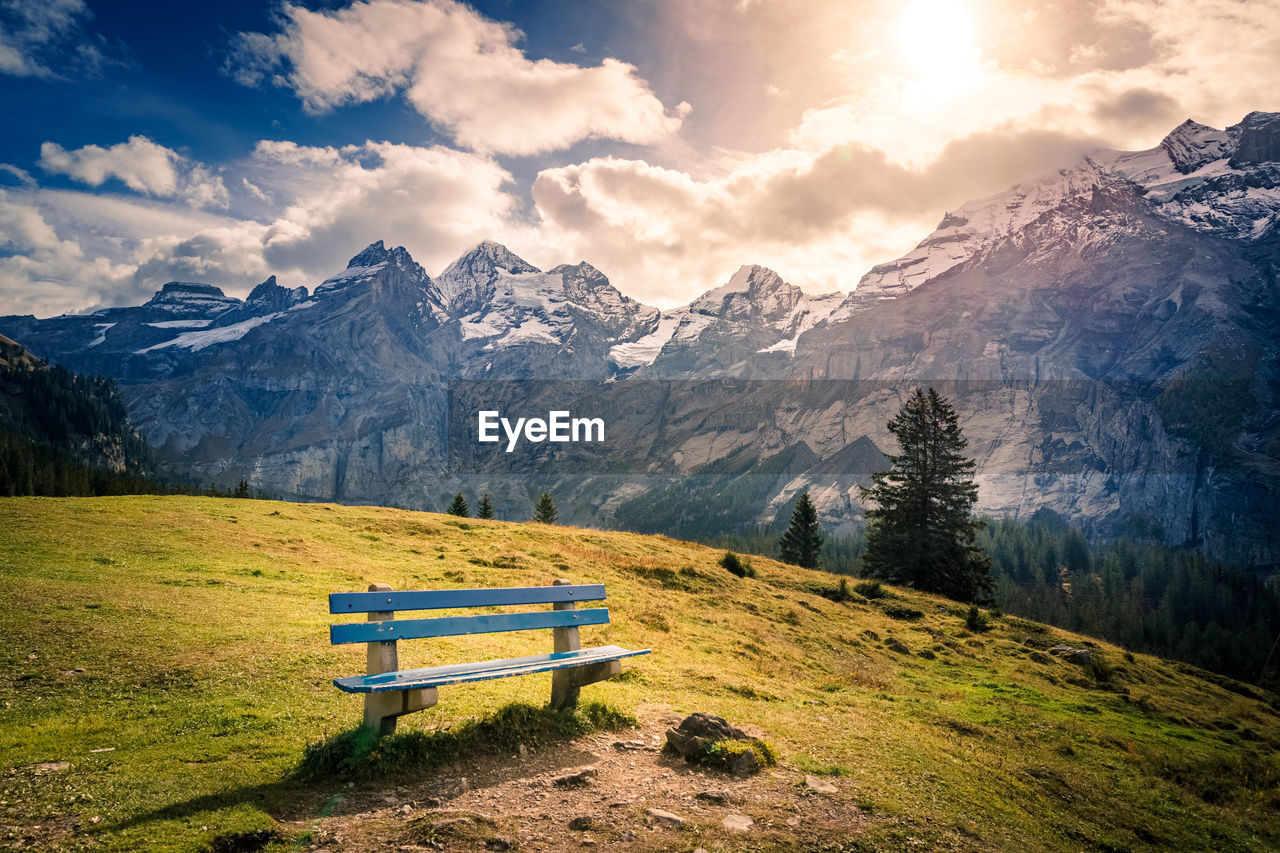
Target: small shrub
[[895, 611], [721, 753], [840, 593], [869, 589], [736, 565], [976, 620]]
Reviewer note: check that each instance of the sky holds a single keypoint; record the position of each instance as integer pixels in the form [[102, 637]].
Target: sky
[[667, 142]]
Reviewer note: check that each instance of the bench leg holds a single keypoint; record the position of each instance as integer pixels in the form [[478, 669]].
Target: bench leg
[[382, 709], [565, 683]]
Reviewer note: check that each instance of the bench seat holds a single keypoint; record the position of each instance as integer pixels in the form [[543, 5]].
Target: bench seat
[[461, 673]]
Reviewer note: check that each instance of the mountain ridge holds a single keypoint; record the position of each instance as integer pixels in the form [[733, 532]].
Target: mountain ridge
[[1141, 267]]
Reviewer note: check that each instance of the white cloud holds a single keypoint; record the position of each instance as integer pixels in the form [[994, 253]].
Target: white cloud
[[41, 273], [36, 35], [143, 166], [72, 249], [458, 69]]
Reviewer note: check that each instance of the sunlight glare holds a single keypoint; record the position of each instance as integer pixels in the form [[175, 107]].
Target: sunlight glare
[[936, 37]]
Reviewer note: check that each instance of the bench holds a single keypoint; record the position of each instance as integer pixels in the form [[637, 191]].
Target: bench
[[391, 692]]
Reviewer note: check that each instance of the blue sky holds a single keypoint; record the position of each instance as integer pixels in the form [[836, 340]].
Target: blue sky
[[666, 142]]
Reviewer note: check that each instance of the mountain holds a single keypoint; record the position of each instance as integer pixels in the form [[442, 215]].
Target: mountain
[[754, 312], [1108, 333]]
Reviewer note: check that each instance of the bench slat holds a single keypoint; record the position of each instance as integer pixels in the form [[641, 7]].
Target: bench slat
[[448, 626], [439, 676], [436, 599]]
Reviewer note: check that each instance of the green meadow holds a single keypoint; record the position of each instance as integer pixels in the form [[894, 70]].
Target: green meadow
[[165, 663]]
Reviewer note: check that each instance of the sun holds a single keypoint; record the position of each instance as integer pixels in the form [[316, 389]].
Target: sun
[[936, 37]]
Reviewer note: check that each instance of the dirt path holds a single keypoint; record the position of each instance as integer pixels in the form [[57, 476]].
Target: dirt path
[[613, 790]]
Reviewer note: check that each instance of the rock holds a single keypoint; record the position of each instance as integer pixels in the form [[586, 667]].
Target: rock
[[745, 763], [51, 766], [698, 731], [629, 745], [665, 817], [499, 842], [406, 810], [898, 646], [581, 823], [578, 779], [1081, 657], [737, 823], [819, 786], [719, 798], [523, 750], [627, 835]]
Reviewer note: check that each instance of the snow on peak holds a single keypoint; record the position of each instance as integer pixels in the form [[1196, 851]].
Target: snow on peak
[[467, 284], [188, 298], [752, 284], [369, 263], [487, 257], [1222, 181], [1191, 145]]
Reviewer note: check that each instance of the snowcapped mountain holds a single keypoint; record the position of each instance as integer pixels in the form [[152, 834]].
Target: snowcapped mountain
[[1220, 181], [1108, 334], [498, 301], [755, 311]]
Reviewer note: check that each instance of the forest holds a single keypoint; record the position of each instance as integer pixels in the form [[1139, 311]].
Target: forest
[[1144, 596]]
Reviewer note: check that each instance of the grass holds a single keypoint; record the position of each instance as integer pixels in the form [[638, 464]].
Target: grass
[[167, 685]]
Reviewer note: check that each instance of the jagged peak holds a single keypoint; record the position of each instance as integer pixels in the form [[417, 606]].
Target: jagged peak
[[265, 288], [272, 293], [488, 256], [374, 253], [1191, 145]]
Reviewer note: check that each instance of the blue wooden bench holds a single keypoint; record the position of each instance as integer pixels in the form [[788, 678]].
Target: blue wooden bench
[[391, 692]]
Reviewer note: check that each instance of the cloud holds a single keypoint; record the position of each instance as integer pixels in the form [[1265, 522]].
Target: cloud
[[821, 219], [22, 175], [143, 166], [36, 35], [460, 70], [318, 206], [39, 270]]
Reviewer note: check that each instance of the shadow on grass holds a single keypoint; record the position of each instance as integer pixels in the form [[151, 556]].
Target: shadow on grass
[[359, 754]]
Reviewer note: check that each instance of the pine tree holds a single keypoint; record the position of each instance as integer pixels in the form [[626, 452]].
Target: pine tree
[[485, 509], [920, 528], [242, 490], [545, 510], [801, 545], [459, 506]]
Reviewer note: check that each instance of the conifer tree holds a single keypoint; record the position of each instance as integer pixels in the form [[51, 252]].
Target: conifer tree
[[920, 528], [485, 509], [459, 506], [801, 545], [545, 510]]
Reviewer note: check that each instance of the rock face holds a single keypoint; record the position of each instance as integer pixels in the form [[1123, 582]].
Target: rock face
[[1107, 334]]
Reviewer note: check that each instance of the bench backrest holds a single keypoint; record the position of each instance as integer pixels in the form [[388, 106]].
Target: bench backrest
[[447, 626]]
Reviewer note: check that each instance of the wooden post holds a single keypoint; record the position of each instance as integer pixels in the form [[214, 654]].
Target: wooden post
[[564, 687], [381, 709]]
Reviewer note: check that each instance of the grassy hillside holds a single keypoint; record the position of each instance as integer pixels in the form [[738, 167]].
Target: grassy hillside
[[165, 661]]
